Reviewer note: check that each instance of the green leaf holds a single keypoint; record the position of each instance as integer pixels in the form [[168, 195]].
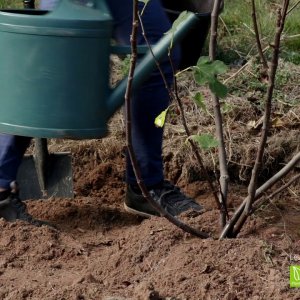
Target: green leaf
[[206, 71], [161, 118], [205, 141], [213, 67], [218, 88], [200, 76], [219, 67], [182, 17], [199, 100], [203, 60]]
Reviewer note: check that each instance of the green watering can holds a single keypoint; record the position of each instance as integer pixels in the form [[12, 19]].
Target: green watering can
[[54, 70]]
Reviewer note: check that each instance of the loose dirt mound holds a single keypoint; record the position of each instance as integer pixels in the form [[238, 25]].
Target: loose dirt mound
[[98, 251], [150, 260]]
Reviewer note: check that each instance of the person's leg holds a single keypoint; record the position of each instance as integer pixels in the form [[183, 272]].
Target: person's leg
[[12, 149], [152, 97], [148, 102]]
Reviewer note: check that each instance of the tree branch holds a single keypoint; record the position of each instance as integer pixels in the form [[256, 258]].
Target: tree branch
[[268, 108], [257, 37]]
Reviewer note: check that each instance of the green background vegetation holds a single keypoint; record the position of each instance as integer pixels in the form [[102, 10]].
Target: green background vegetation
[[236, 35], [11, 3]]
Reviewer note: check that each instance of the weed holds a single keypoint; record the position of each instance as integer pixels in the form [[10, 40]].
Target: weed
[[268, 253]]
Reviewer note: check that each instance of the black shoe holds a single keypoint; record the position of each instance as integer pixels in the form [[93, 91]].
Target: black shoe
[[168, 196], [12, 209]]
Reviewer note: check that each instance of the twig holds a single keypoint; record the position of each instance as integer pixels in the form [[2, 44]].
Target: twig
[[257, 37], [260, 202], [151, 51], [237, 72], [293, 7]]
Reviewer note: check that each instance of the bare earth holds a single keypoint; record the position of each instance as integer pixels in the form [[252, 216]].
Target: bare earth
[[99, 251]]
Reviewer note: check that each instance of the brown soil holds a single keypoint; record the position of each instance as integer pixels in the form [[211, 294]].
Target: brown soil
[[99, 251]]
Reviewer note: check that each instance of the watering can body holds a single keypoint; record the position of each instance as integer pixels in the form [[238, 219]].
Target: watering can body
[[54, 70]]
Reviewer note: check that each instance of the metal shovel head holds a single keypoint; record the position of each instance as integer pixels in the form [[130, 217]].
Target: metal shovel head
[[58, 177]]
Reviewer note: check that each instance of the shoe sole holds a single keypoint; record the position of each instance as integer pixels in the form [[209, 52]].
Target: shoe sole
[[137, 212]]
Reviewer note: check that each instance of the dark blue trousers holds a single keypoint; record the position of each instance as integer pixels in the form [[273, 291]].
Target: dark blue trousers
[[151, 99]]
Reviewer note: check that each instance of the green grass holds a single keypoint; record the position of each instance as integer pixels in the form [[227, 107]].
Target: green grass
[[236, 35], [11, 4]]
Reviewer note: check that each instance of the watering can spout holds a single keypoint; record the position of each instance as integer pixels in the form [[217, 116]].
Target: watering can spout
[[147, 65]]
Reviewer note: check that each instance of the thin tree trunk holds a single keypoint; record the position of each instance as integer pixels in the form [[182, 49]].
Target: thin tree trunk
[[268, 108], [224, 177]]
